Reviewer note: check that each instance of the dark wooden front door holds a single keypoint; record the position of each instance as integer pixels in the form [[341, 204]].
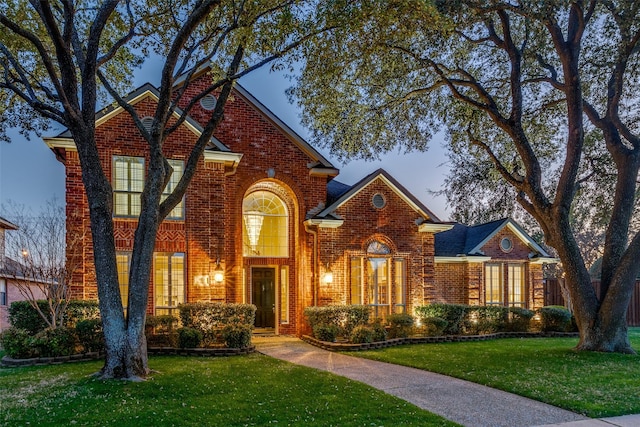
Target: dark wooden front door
[[263, 295]]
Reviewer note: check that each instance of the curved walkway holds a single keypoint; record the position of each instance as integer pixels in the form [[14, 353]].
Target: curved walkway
[[461, 401]]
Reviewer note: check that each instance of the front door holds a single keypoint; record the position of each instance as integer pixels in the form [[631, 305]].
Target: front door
[[263, 296]]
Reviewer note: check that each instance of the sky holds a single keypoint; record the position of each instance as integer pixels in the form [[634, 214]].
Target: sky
[[30, 175]]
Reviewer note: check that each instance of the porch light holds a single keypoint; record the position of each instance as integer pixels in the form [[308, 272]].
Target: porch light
[[218, 273], [328, 275], [253, 222]]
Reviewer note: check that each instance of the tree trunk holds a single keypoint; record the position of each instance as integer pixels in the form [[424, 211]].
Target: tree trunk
[[126, 357], [609, 334]]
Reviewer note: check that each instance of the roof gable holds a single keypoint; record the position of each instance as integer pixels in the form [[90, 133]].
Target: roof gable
[[7, 225], [146, 91], [390, 182], [464, 240]]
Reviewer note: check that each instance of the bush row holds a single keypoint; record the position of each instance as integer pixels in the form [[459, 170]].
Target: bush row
[[351, 322], [23, 315]]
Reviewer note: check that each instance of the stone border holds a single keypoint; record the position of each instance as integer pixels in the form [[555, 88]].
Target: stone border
[[338, 346], [8, 362]]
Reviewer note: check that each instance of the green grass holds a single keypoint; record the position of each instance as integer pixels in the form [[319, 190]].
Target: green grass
[[544, 369], [187, 391]]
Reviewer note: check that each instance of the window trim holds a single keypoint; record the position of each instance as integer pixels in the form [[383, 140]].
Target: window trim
[[128, 192], [169, 308], [3, 292]]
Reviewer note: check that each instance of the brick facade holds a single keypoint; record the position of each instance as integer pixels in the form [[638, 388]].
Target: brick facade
[[275, 161]]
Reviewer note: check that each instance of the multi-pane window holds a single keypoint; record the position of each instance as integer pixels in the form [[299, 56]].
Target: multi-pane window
[[504, 284], [516, 291], [265, 219], [178, 170], [128, 183], [493, 289], [3, 292], [123, 262], [378, 280], [169, 282], [400, 285]]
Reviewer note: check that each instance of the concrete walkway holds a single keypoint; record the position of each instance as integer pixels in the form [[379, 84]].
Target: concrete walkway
[[461, 401]]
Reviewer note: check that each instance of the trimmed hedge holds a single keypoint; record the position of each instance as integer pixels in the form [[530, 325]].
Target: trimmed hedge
[[210, 318], [54, 342], [555, 319], [344, 317], [454, 314], [474, 320], [189, 337], [16, 343], [400, 325], [23, 316], [90, 334], [78, 310]]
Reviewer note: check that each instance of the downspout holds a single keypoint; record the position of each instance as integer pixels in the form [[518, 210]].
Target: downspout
[[314, 276]]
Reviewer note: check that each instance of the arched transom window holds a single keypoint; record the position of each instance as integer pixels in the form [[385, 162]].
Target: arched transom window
[[265, 220]]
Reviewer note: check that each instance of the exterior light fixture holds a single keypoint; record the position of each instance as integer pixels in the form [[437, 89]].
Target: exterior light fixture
[[328, 275], [25, 253], [218, 273], [253, 221]]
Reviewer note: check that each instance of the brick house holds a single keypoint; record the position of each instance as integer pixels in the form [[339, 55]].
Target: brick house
[[265, 222], [12, 278]]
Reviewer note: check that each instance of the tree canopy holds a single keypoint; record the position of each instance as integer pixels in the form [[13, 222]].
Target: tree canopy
[[539, 103]]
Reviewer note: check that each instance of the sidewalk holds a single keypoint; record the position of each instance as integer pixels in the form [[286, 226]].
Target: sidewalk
[[461, 401]]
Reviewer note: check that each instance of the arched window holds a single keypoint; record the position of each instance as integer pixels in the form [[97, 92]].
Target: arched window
[[265, 220]]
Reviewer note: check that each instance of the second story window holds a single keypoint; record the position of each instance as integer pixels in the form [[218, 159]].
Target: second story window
[[178, 170], [128, 182]]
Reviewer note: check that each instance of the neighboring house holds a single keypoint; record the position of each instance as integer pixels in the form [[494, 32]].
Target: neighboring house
[[265, 222], [11, 277]]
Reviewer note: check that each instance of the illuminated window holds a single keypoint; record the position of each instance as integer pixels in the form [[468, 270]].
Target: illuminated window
[[284, 294], [128, 182], [400, 285], [123, 262], [493, 289], [178, 170], [265, 220], [168, 277], [378, 285], [516, 285], [356, 280]]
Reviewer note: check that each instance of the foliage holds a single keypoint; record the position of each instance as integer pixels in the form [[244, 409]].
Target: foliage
[[545, 369], [454, 314], [208, 315], [400, 325], [433, 326], [90, 334], [60, 341], [237, 335], [45, 255], [228, 391], [78, 310], [189, 337], [161, 323], [22, 315], [379, 331], [519, 319], [344, 317], [554, 319], [539, 105], [361, 334], [16, 343], [326, 332]]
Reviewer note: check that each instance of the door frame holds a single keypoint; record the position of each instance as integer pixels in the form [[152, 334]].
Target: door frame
[[276, 290]]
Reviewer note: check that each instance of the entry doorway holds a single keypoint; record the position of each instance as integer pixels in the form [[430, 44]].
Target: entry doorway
[[263, 296]]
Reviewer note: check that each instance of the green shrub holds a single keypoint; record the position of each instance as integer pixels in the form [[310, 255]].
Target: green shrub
[[519, 319], [189, 337], [486, 319], [78, 310], [23, 316], [90, 334], [434, 326], [400, 325], [454, 314], [54, 342], [16, 343], [161, 324], [343, 317], [325, 332], [237, 335], [361, 334], [554, 319], [210, 318], [379, 331]]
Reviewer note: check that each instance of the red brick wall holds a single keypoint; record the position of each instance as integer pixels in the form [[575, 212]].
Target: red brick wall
[[393, 225]]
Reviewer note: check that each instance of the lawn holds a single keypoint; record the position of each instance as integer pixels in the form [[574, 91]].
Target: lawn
[[189, 391], [544, 369]]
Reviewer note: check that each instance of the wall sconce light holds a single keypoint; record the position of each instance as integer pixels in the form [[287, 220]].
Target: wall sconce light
[[218, 273], [328, 275]]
